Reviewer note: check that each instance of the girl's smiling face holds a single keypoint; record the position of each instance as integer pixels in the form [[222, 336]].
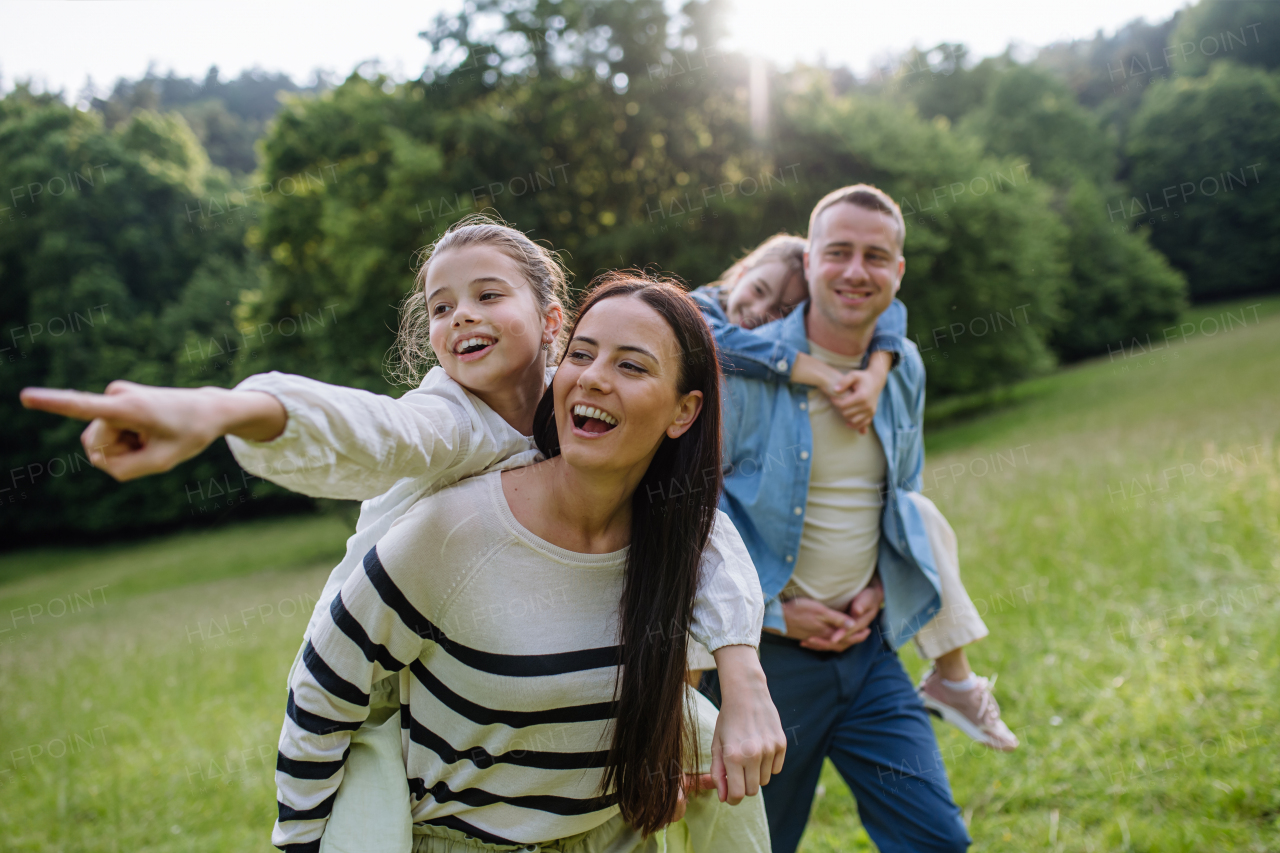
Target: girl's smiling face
[[765, 293], [486, 324]]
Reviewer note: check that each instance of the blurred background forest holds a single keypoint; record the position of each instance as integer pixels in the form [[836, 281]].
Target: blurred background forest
[[191, 232]]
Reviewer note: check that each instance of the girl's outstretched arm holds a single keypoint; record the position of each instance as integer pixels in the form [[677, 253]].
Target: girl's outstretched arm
[[135, 430], [318, 439], [352, 444]]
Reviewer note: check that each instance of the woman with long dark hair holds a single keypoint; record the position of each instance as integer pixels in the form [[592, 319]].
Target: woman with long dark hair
[[537, 618]]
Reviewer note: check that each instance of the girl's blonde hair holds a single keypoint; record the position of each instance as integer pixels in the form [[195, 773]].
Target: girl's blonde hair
[[787, 249], [412, 355]]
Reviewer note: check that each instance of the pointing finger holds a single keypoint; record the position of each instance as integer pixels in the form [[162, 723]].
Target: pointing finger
[[73, 404]]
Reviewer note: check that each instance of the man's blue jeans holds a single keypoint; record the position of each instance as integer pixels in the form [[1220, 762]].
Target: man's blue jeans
[[860, 709]]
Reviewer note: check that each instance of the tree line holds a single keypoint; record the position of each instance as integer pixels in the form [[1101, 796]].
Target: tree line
[[1056, 209]]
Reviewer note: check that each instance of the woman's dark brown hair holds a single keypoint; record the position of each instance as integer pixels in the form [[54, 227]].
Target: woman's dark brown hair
[[672, 511]]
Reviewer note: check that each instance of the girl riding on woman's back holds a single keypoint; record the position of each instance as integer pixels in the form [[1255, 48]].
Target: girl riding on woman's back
[[487, 304]]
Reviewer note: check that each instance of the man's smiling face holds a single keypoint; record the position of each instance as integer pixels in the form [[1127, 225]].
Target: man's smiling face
[[854, 266]]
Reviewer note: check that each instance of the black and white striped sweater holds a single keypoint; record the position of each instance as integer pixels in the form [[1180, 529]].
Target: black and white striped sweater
[[506, 649]]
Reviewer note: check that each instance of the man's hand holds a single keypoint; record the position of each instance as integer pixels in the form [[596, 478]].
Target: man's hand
[[857, 394], [807, 619], [822, 629], [748, 745], [862, 610], [136, 430]]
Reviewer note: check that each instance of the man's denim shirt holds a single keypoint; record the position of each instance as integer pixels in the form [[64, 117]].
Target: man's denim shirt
[[768, 447]]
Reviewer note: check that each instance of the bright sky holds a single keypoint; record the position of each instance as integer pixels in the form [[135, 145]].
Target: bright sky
[[60, 44]]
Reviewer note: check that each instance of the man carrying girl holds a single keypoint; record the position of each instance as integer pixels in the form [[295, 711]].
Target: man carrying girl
[[765, 286], [836, 527]]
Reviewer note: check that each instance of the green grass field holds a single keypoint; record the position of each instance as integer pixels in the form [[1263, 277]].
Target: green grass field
[[1119, 526]]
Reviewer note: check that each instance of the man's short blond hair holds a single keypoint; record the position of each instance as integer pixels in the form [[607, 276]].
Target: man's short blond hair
[[868, 198]]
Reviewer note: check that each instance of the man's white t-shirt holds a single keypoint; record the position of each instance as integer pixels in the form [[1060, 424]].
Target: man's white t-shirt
[[841, 535]]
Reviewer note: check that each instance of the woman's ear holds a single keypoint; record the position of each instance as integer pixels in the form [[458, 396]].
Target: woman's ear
[[686, 413], [552, 322]]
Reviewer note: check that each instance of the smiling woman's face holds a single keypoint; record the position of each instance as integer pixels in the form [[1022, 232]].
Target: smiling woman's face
[[617, 390]]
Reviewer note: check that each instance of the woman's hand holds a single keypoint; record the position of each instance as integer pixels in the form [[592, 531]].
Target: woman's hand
[[136, 430], [748, 745]]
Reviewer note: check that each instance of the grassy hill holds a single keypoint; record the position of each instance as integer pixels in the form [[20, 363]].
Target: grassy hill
[[1119, 526]]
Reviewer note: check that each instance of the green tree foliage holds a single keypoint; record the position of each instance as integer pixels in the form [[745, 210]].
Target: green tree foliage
[[1109, 74], [665, 174], [106, 275], [227, 117], [347, 242], [1202, 151], [1098, 69], [617, 132], [1244, 31], [1119, 288], [940, 81], [609, 162], [1031, 114]]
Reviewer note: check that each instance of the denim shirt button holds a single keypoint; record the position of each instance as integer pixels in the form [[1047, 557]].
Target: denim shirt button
[[804, 454], [798, 510], [782, 364], [790, 558], [804, 407]]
